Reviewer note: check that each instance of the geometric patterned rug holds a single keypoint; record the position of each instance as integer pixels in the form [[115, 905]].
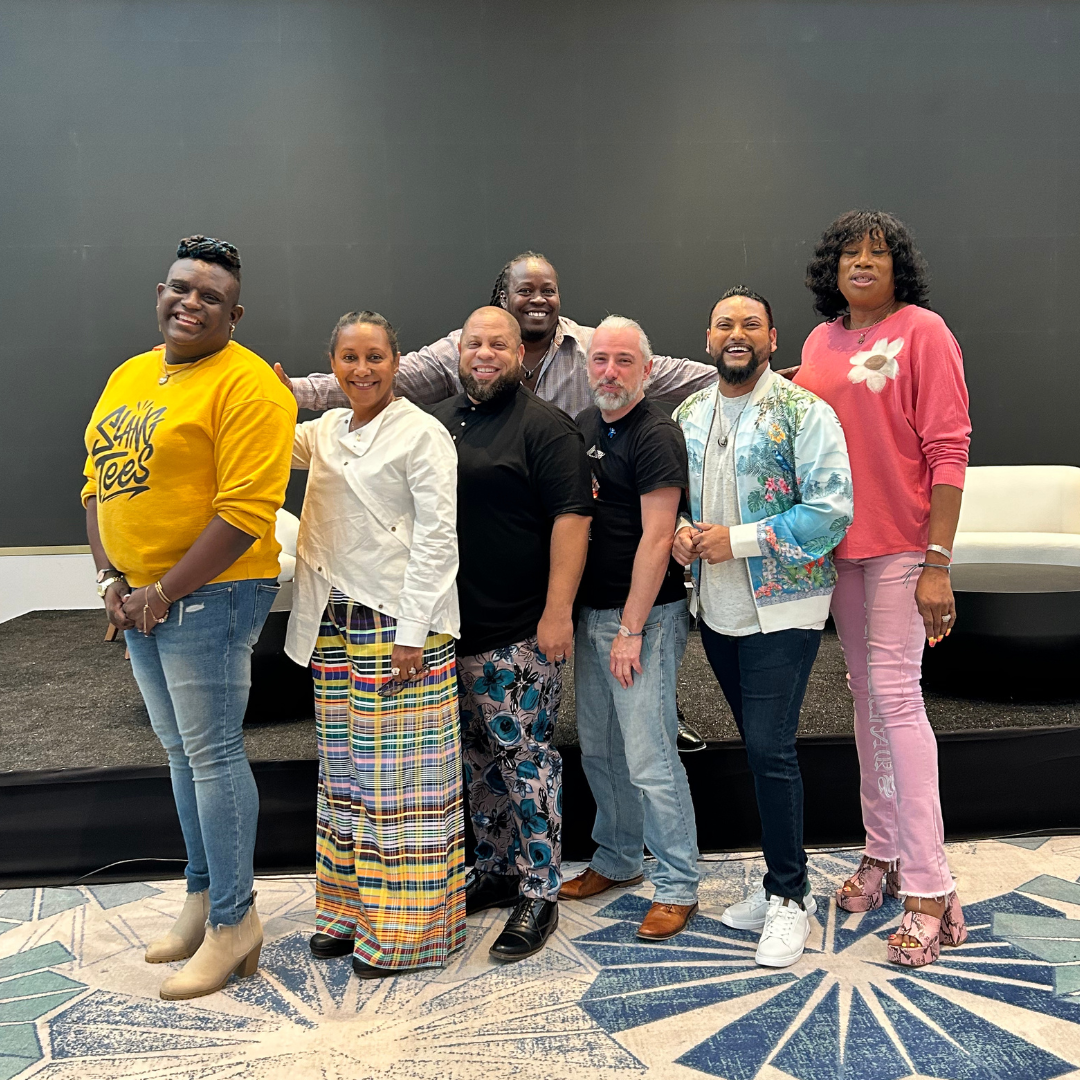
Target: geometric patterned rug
[[78, 1003]]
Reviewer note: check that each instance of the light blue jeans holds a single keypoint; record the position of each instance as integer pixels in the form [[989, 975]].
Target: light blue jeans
[[629, 754], [194, 673]]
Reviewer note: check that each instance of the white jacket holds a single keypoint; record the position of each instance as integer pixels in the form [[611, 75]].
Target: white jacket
[[379, 523]]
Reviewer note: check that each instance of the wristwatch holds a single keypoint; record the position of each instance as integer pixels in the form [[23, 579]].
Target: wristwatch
[[105, 578]]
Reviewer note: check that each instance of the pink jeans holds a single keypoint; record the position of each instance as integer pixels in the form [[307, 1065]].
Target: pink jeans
[[882, 636]]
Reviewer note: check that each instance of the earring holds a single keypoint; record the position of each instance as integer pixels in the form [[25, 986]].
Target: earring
[[232, 329]]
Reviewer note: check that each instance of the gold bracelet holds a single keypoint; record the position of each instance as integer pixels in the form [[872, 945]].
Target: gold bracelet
[[161, 593]]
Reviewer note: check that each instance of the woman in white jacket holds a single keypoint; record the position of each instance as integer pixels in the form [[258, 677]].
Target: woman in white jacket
[[375, 612]]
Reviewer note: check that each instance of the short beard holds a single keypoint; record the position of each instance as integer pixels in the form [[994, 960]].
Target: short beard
[[498, 387], [737, 376], [609, 401]]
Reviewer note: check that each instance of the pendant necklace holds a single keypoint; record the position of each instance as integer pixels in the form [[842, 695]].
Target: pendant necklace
[[530, 372], [724, 435], [866, 330]]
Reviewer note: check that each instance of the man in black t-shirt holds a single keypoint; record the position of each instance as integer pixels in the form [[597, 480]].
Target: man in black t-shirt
[[631, 636], [523, 529]]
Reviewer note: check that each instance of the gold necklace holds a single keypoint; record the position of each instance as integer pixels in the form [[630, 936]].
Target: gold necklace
[[866, 330], [166, 374]]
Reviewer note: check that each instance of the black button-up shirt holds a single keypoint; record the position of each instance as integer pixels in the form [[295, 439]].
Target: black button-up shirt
[[521, 463]]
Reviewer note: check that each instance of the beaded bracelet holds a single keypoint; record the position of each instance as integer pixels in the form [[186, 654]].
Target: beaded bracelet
[[933, 565]]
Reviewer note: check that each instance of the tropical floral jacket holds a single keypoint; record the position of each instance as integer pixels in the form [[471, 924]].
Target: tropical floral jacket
[[794, 485]]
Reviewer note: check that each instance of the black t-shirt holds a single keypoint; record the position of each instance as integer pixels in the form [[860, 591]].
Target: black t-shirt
[[642, 452], [521, 463]]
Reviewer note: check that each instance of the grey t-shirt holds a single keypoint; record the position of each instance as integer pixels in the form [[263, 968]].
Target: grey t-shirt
[[725, 601]]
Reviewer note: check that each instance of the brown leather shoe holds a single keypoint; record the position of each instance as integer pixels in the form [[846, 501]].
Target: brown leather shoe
[[665, 921], [593, 884]]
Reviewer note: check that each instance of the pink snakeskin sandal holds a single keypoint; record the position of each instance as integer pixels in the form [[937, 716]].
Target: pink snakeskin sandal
[[919, 939], [867, 880]]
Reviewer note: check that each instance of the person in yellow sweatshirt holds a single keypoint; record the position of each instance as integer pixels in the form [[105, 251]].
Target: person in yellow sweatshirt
[[188, 456]]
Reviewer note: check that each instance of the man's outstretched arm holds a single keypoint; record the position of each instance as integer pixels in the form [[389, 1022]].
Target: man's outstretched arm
[[425, 377]]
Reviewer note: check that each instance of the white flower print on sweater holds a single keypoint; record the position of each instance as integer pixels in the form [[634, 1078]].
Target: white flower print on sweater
[[877, 365]]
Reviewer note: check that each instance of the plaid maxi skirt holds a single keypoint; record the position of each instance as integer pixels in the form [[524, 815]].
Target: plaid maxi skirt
[[390, 855]]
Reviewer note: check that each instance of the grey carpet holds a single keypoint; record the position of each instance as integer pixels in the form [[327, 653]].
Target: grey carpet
[[67, 699]]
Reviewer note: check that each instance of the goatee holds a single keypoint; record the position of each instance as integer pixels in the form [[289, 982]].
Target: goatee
[[500, 386], [736, 376]]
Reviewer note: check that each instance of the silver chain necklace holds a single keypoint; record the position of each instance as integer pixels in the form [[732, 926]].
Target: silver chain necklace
[[726, 435]]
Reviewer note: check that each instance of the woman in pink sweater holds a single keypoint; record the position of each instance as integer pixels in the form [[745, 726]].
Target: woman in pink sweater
[[893, 373]]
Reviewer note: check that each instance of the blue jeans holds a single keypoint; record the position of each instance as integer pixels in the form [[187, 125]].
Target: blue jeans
[[194, 673], [763, 677], [628, 751]]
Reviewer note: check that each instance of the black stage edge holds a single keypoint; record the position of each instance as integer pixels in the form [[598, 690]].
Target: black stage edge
[[62, 826]]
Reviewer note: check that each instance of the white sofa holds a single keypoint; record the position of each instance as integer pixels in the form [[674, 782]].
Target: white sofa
[[286, 530], [1019, 530]]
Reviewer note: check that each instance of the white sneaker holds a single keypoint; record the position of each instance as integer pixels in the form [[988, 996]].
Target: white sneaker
[[783, 938], [749, 914]]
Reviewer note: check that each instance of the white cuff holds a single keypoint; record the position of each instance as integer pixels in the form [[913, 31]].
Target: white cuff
[[410, 634], [684, 522], [744, 540]]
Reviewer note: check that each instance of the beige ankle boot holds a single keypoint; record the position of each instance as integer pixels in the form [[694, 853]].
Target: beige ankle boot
[[186, 934], [225, 949]]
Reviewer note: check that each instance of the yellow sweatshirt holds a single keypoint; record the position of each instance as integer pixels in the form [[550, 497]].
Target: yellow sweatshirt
[[164, 458]]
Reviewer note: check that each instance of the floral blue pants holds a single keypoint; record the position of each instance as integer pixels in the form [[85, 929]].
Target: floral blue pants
[[509, 701]]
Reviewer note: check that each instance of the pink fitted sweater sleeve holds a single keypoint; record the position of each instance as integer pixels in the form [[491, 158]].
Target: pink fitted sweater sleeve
[[941, 404]]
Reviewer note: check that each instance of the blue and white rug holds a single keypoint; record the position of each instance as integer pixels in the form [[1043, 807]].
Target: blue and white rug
[[78, 1003]]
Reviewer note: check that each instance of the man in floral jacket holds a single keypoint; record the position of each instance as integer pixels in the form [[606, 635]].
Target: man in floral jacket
[[770, 497]]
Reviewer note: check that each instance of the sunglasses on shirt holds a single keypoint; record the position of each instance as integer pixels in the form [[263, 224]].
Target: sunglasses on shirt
[[393, 687]]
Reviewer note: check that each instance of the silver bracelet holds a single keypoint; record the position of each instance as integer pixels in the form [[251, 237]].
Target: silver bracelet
[[940, 550]]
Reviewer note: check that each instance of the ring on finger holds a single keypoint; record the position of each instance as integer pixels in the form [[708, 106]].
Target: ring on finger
[[946, 618], [412, 671]]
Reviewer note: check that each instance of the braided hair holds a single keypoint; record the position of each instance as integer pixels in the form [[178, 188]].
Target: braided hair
[[207, 249], [502, 282], [351, 318]]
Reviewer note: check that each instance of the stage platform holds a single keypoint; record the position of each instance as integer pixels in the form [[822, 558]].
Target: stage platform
[[77, 1002], [86, 795], [68, 700]]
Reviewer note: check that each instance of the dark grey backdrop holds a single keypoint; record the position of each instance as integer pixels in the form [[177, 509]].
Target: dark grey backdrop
[[394, 154]]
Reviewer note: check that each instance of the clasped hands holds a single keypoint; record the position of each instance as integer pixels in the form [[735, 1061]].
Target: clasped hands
[[138, 609], [702, 541]]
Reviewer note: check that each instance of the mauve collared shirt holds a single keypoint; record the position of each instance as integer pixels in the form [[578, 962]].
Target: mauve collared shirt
[[430, 375]]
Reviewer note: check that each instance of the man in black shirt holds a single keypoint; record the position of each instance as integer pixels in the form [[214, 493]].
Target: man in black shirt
[[523, 527], [631, 636]]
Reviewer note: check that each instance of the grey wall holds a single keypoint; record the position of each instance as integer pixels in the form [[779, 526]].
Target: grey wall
[[393, 155]]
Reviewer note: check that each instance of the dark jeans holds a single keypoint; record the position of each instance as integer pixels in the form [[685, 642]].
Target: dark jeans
[[764, 677]]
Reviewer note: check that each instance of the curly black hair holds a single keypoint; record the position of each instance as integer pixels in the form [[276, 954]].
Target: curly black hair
[[910, 273], [503, 280], [208, 249]]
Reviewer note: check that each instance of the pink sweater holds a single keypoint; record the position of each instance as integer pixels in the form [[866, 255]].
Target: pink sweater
[[901, 399]]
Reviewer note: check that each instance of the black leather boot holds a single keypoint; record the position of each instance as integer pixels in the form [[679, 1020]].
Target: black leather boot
[[326, 946], [484, 890], [526, 932], [687, 740]]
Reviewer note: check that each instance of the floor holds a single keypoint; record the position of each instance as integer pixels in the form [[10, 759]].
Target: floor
[[46, 653], [78, 1003]]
